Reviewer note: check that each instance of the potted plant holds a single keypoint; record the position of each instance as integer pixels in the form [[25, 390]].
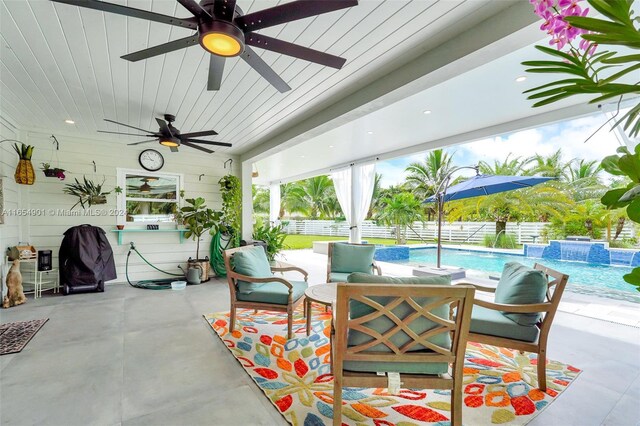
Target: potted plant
[[274, 236], [24, 174], [88, 192], [198, 219], [52, 171]]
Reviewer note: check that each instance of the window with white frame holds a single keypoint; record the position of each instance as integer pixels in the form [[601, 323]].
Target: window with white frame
[[147, 196]]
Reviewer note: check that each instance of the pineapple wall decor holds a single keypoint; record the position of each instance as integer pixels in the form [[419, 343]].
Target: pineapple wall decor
[[25, 175]]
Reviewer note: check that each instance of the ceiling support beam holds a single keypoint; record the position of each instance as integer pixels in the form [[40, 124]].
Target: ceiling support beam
[[494, 37]]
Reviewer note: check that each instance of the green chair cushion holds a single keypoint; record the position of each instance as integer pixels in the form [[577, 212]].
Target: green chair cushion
[[494, 323], [382, 324], [359, 277], [352, 258], [252, 262], [339, 277], [274, 292], [521, 285]]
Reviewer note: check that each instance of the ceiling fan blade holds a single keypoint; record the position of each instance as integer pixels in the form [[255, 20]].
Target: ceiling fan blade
[[216, 70], [288, 12], [208, 151], [207, 142], [120, 133], [163, 127], [224, 9], [161, 49], [132, 12], [196, 134], [295, 50], [256, 62], [174, 148], [141, 142], [126, 125], [195, 9]]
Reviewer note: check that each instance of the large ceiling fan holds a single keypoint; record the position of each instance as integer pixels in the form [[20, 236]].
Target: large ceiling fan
[[225, 31], [167, 135]]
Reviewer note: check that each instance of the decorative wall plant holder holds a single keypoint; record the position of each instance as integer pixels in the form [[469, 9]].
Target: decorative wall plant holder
[[24, 175]]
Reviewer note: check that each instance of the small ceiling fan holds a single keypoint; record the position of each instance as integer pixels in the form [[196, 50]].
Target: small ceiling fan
[[225, 31], [167, 135]]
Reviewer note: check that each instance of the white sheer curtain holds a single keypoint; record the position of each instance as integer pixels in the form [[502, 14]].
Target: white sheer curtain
[[354, 188]]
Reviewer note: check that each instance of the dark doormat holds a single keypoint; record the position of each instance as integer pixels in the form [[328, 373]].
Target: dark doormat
[[14, 336]]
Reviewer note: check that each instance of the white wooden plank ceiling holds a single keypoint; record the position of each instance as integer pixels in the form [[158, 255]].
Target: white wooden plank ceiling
[[62, 62]]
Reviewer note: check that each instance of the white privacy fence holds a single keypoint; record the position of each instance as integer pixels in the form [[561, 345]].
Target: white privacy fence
[[474, 232]]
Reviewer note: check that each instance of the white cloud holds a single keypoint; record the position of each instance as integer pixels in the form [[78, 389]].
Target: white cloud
[[569, 136]]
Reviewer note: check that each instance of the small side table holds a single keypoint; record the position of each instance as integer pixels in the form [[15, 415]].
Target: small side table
[[50, 278], [324, 294]]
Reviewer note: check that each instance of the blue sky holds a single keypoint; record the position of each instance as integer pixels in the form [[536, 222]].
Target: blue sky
[[570, 136]]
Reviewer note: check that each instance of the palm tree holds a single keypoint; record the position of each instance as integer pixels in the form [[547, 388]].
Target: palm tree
[[424, 178], [375, 195], [550, 166], [260, 199], [583, 180], [311, 197], [400, 211], [508, 167]]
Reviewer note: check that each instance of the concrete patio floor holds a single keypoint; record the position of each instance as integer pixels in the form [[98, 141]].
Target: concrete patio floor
[[132, 356]]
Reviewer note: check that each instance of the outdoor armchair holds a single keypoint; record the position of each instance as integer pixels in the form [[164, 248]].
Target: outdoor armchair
[[252, 284], [520, 317], [345, 258], [400, 328]]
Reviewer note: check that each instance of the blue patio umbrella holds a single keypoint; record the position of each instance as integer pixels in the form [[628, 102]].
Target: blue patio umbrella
[[475, 187]]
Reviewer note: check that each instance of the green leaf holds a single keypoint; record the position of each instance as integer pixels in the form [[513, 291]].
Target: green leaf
[[633, 210], [622, 59], [630, 165], [631, 194], [611, 198], [555, 52], [633, 278], [552, 99], [610, 165]]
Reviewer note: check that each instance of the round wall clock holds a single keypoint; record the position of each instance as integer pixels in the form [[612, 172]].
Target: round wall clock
[[151, 160]]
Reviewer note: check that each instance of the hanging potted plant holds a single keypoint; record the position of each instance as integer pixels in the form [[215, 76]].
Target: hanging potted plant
[[25, 174], [198, 219], [88, 192], [52, 171]]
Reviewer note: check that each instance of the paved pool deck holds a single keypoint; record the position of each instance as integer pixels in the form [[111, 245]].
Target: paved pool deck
[[592, 306]]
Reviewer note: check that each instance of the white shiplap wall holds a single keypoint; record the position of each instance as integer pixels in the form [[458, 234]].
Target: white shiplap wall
[[76, 156], [10, 230]]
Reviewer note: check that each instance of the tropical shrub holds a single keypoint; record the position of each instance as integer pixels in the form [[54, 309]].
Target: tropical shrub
[[274, 236], [503, 240]]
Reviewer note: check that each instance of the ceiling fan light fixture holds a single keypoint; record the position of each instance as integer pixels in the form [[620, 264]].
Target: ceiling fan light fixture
[[145, 187], [170, 142], [221, 38]]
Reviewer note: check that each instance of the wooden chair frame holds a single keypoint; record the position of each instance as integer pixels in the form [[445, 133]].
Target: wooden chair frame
[[461, 296], [233, 278], [547, 309], [375, 268]]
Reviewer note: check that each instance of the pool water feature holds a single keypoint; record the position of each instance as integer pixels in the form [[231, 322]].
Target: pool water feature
[[599, 279]]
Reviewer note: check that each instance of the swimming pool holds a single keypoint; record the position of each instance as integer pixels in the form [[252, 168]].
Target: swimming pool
[[604, 280]]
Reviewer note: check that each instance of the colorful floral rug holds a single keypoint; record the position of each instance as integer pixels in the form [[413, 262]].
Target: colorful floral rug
[[499, 384]]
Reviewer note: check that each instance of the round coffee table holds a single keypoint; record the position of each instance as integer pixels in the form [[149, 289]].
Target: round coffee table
[[324, 294]]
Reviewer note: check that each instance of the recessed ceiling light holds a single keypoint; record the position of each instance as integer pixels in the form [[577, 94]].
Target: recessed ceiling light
[[370, 132], [521, 79], [68, 121], [330, 146], [426, 112], [302, 156]]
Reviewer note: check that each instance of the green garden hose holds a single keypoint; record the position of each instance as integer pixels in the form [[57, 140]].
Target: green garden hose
[[157, 284], [219, 243]]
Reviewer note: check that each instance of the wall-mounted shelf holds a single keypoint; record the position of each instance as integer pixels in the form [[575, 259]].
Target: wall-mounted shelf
[[151, 231]]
